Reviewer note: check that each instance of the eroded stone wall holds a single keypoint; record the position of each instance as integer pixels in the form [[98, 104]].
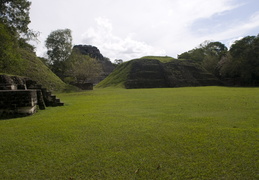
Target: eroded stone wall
[[17, 103], [20, 96]]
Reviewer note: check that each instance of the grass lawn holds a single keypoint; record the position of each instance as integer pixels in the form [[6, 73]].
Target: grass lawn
[[174, 133]]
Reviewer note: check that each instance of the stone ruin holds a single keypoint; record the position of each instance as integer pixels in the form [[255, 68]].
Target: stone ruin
[[21, 96], [151, 73]]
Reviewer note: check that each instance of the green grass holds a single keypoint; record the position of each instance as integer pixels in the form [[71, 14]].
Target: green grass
[[163, 59], [118, 77], [113, 133], [32, 67], [38, 71]]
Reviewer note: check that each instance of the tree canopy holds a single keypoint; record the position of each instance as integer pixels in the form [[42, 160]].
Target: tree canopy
[[243, 61], [59, 46], [239, 64], [83, 68], [15, 14]]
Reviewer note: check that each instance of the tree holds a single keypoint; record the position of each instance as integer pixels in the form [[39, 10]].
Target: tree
[[15, 14], [243, 62], [59, 45], [83, 68], [196, 54], [213, 53], [8, 56], [118, 61], [208, 54]]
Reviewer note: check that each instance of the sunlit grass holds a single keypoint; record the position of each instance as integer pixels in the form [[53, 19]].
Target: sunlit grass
[[177, 133]]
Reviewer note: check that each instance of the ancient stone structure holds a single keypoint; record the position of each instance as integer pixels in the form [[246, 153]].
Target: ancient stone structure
[[151, 73], [17, 102], [21, 96], [146, 74]]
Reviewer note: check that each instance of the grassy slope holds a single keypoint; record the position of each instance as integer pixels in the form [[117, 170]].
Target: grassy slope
[[118, 77], [163, 59], [35, 69], [179, 133]]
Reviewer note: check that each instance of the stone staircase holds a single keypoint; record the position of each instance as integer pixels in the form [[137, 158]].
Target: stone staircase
[[45, 97], [16, 91]]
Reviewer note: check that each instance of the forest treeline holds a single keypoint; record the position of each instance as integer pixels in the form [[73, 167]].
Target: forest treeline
[[238, 65]]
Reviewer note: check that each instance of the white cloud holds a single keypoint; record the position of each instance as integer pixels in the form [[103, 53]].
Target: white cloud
[[133, 28], [236, 30], [116, 47]]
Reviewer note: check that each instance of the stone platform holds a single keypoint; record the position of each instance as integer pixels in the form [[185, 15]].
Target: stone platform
[[18, 103], [21, 96]]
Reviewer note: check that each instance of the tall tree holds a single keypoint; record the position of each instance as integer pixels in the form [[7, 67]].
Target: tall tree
[[15, 14], [208, 54], [243, 62], [213, 53], [59, 45], [83, 68], [14, 33]]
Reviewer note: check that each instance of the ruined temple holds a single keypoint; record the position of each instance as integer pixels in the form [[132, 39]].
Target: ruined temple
[[151, 73], [20, 96]]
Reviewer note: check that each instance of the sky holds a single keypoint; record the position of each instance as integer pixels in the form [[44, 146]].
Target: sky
[[129, 29]]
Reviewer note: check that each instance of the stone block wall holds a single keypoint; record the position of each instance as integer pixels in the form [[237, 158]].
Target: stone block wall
[[20, 96], [17, 103]]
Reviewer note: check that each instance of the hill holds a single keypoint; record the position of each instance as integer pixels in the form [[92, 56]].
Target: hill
[[154, 73], [163, 59], [118, 77], [32, 67]]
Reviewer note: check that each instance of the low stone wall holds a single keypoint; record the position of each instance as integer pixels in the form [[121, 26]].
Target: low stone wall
[[20, 96], [17, 103]]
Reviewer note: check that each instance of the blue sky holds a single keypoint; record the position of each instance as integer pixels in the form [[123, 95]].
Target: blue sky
[[128, 29]]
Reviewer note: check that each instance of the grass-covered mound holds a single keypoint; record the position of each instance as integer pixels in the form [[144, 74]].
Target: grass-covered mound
[[157, 72], [163, 59], [36, 70], [118, 77], [115, 133], [29, 65]]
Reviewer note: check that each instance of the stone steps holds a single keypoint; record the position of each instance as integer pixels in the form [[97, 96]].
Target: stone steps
[[50, 99], [20, 96]]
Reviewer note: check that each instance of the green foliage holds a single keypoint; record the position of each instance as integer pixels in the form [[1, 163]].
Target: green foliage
[[59, 45], [208, 54], [83, 68], [242, 62], [15, 14], [238, 66], [118, 77], [10, 60], [17, 58], [196, 54], [179, 133], [35, 69]]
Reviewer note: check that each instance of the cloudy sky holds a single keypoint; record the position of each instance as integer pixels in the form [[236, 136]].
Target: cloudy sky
[[128, 29]]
